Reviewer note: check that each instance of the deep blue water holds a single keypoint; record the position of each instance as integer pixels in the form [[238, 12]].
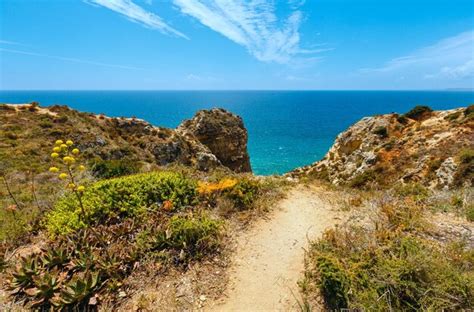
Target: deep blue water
[[287, 129]]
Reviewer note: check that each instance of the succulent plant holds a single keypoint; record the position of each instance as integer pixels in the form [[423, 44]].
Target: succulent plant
[[80, 289], [24, 273], [55, 257], [46, 286]]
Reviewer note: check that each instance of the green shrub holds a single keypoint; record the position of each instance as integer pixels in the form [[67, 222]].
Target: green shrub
[[465, 171], [470, 212], [383, 269], [196, 235], [244, 193], [333, 282], [106, 169], [466, 156], [413, 190], [418, 112], [381, 131], [453, 116], [469, 111], [362, 179], [402, 119], [121, 197]]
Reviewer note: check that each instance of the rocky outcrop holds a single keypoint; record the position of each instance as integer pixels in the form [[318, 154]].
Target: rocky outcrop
[[223, 133], [435, 150], [210, 139]]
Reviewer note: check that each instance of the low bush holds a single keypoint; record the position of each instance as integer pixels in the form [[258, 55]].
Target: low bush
[[381, 131], [390, 267], [418, 112], [244, 193], [362, 179], [414, 190], [197, 235], [465, 170], [470, 212], [106, 169], [121, 197], [469, 111]]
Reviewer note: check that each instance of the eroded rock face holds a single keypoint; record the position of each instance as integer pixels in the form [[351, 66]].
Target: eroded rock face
[[223, 133], [387, 149]]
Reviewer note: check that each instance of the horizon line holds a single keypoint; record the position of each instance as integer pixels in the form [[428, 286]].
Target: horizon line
[[227, 90]]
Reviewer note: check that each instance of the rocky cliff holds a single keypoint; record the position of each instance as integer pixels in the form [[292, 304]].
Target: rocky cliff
[[210, 139], [434, 148], [223, 133]]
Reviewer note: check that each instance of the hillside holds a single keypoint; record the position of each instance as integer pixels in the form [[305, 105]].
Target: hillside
[[433, 148], [26, 130]]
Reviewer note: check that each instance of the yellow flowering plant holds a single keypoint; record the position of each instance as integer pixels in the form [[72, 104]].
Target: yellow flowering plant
[[65, 165]]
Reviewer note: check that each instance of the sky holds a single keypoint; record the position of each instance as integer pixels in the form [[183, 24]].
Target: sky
[[236, 44]]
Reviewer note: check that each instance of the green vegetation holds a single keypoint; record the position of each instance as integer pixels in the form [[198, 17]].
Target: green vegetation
[[244, 193], [363, 179], [121, 197], [418, 112], [106, 169], [465, 170], [98, 231], [381, 131], [390, 265]]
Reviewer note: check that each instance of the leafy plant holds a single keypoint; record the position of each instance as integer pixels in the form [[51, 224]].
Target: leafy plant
[[55, 257], [46, 286], [418, 112], [26, 270], [244, 193], [106, 169], [121, 197], [194, 234], [79, 290], [381, 131]]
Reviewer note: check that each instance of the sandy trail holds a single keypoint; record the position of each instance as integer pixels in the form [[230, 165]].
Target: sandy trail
[[269, 258]]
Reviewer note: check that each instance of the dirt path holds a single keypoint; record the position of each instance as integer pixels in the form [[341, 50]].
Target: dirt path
[[268, 260]]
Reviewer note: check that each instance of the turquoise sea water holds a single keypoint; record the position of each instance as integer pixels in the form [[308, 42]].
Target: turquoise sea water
[[287, 129]]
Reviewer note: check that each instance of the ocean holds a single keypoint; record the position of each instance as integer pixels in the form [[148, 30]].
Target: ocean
[[287, 129]]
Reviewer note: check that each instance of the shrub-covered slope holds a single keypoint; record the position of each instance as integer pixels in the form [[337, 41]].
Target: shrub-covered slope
[[117, 145], [434, 148]]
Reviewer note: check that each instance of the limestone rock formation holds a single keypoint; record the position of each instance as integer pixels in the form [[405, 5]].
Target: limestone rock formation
[[223, 133], [436, 150]]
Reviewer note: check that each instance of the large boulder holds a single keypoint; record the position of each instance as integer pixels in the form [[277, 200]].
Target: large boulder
[[223, 133]]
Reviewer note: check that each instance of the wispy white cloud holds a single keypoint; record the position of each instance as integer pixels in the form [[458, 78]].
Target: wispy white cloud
[[8, 42], [451, 58], [138, 14], [69, 59], [252, 24]]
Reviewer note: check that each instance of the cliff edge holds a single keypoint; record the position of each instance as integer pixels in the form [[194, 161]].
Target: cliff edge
[[433, 148]]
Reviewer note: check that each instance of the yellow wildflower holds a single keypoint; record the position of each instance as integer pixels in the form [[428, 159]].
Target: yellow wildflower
[[82, 168], [63, 176], [63, 146], [53, 169], [59, 142], [207, 188], [54, 155], [69, 142], [56, 149], [75, 151], [71, 186], [69, 160], [81, 188]]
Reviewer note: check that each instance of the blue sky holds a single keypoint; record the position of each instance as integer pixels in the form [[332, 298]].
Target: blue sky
[[236, 44]]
